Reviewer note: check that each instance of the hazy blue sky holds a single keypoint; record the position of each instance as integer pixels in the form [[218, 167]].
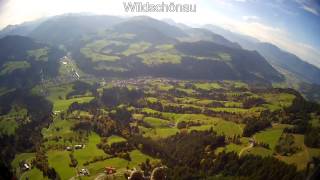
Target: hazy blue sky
[[293, 25]]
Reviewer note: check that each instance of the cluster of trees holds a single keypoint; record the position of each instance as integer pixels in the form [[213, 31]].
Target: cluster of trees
[[97, 158], [120, 95], [73, 160], [105, 127], [41, 162], [110, 98], [28, 133], [81, 88], [286, 145], [298, 114], [184, 124], [192, 156], [312, 137], [174, 108], [182, 148], [219, 96], [120, 149], [116, 121], [149, 167], [253, 102], [252, 167], [254, 125]]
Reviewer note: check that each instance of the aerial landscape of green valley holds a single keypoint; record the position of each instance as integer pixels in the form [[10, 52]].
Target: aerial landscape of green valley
[[135, 96]]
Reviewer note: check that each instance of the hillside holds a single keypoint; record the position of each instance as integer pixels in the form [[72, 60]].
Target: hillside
[[135, 48], [123, 48], [302, 70], [198, 34], [24, 62], [65, 28]]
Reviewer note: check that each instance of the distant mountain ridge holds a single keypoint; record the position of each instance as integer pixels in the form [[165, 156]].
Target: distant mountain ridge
[[87, 34], [274, 55]]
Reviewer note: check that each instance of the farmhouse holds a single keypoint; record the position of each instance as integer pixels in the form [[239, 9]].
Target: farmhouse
[[78, 146], [69, 148], [110, 170], [25, 167], [84, 172]]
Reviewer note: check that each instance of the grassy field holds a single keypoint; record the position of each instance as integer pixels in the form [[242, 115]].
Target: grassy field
[[62, 105], [221, 127], [8, 126], [60, 160], [115, 139], [159, 57], [278, 101], [120, 164], [260, 151], [238, 148], [99, 166], [40, 54], [230, 110], [156, 122], [315, 121], [110, 68], [59, 92], [33, 174], [8, 123], [136, 48], [234, 147], [302, 157], [22, 157], [93, 51], [217, 124], [158, 133], [59, 128], [11, 66], [270, 136], [207, 86], [137, 157], [90, 151], [95, 57], [157, 125]]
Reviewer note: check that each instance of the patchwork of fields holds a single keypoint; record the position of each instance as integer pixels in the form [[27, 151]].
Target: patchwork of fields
[[169, 107]]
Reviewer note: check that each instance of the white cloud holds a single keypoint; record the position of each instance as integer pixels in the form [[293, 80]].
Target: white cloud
[[250, 18], [241, 0], [311, 6], [311, 10], [281, 38], [266, 33]]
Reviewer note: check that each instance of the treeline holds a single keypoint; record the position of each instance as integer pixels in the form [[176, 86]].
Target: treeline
[[117, 120], [192, 156], [312, 137], [81, 88], [109, 99], [41, 162], [28, 134], [16, 48], [252, 167], [298, 114], [254, 125]]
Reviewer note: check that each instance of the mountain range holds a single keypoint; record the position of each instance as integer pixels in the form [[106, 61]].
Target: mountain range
[[116, 46]]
